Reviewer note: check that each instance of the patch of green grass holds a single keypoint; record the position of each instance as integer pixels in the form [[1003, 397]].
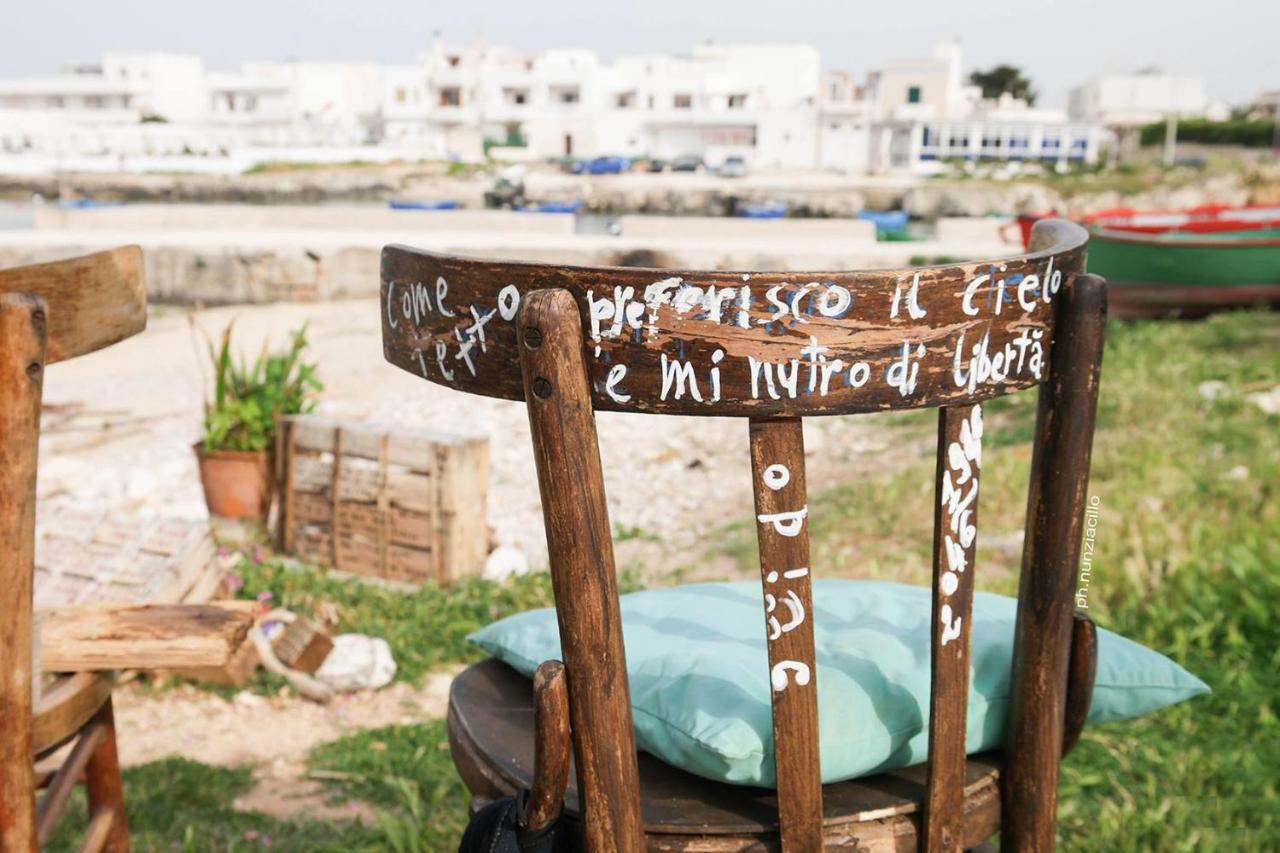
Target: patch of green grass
[[176, 804], [408, 772], [425, 628]]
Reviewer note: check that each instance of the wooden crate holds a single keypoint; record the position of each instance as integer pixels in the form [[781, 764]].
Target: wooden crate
[[403, 505]]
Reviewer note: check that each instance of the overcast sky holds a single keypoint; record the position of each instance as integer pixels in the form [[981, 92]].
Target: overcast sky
[[1235, 44]]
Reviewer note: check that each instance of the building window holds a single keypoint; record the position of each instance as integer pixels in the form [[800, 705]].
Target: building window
[[453, 60], [401, 95], [567, 96], [682, 102], [516, 97], [737, 102], [626, 100], [913, 94], [451, 96]]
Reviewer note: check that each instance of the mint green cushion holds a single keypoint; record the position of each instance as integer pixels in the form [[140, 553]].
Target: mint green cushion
[[700, 687]]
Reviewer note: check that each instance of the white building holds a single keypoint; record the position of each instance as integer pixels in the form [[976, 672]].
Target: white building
[[769, 104], [1145, 97], [752, 101]]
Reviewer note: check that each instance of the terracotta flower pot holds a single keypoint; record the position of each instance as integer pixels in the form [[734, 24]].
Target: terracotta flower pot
[[237, 483]]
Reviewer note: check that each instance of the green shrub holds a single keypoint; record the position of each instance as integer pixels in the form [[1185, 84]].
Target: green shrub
[[249, 400], [1246, 132]]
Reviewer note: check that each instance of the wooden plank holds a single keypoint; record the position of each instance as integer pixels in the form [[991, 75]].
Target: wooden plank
[[22, 356], [782, 509], [162, 636], [955, 540], [583, 577], [773, 344], [1050, 557], [93, 301]]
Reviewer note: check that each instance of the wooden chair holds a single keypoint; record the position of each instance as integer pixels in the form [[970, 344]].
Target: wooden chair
[[773, 347], [48, 313]]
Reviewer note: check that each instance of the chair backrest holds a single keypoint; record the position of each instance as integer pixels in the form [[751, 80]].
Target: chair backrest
[[775, 347], [48, 313]]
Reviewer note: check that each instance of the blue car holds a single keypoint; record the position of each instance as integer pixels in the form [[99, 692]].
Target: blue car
[[601, 166]]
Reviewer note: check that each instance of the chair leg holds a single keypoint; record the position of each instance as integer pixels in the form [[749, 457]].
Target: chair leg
[[102, 779]]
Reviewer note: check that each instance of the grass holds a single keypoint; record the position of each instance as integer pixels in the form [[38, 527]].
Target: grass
[[178, 804], [1187, 562]]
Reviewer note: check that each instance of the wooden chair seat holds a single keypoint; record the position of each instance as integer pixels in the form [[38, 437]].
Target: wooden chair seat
[[491, 734], [66, 706]]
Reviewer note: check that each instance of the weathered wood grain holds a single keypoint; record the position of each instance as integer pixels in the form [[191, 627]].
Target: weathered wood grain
[[1082, 671], [90, 638], [584, 581], [93, 301], [782, 531], [955, 541], [23, 323], [1051, 553], [105, 790], [551, 745], [757, 344]]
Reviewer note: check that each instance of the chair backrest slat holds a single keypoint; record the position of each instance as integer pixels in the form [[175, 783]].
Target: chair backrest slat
[[583, 578], [782, 529], [1050, 555], [955, 535], [22, 354]]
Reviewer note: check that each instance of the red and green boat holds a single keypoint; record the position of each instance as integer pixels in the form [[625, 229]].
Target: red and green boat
[[1186, 263]]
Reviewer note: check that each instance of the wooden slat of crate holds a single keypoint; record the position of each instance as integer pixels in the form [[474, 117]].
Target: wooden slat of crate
[[359, 555], [358, 479], [403, 446], [407, 527], [311, 507], [355, 518], [412, 490], [463, 487], [411, 565], [312, 473]]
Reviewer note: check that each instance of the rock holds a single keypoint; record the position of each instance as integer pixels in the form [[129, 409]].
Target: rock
[[1268, 401], [357, 662], [505, 562], [1213, 389]]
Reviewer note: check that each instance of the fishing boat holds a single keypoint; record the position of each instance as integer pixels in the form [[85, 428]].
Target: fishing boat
[[1184, 262], [408, 204], [1190, 264], [763, 209]]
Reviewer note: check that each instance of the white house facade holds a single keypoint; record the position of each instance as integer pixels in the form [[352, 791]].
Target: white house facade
[[771, 105]]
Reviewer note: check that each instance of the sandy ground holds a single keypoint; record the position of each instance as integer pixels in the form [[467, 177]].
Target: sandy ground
[[119, 430]]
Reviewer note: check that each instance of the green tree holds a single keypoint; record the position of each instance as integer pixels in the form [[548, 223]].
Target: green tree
[[1004, 78]]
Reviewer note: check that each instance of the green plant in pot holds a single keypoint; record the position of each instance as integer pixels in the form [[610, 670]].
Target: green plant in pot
[[241, 420]]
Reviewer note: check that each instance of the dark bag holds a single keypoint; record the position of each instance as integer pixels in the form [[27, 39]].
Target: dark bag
[[500, 828]]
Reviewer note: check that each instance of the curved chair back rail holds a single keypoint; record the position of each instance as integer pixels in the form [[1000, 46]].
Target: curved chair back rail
[[775, 347], [94, 300], [48, 313], [738, 343]]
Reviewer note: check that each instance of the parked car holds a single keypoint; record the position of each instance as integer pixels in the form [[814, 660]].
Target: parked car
[[601, 166], [656, 165], [733, 167], [688, 163]]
